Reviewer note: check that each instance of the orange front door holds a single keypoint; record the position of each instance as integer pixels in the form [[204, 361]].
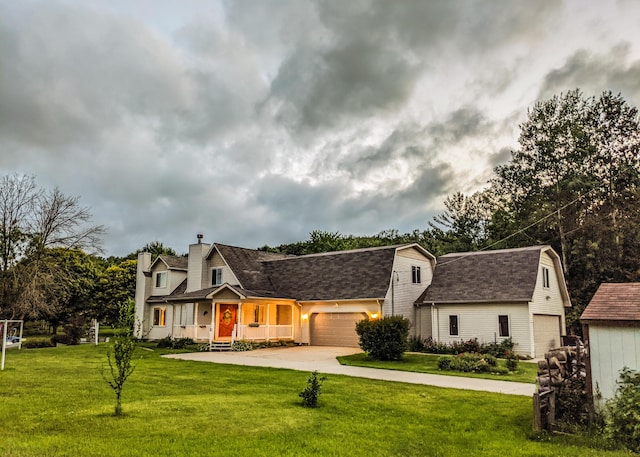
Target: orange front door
[[226, 320]]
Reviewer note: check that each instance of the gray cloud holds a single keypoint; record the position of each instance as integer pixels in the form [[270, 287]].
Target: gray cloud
[[259, 121], [595, 73]]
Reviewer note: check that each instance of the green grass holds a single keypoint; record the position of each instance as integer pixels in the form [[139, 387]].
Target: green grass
[[55, 403], [428, 363]]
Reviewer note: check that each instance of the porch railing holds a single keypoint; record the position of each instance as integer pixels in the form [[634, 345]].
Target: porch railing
[[265, 332]]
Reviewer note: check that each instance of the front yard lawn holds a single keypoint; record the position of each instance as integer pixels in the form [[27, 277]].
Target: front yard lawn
[[55, 403], [428, 363]]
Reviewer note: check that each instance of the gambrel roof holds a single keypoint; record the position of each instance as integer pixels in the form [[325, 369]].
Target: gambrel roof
[[506, 275], [614, 302]]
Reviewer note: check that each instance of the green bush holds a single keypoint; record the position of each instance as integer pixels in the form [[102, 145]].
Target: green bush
[[36, 343], [311, 392], [496, 349], [478, 363], [384, 339], [242, 346], [416, 344], [174, 343], [623, 411], [512, 361], [444, 363]]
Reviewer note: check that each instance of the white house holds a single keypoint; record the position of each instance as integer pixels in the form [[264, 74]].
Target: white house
[[611, 328], [226, 293], [493, 295]]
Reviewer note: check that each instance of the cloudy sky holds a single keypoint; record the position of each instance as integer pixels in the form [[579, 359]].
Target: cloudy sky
[[257, 121]]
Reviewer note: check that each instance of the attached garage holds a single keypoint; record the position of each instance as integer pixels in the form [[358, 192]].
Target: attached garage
[[546, 333], [335, 329]]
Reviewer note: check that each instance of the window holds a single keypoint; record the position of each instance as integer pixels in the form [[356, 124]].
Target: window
[[545, 277], [254, 314], [453, 325], [216, 276], [161, 279], [415, 275], [159, 316], [503, 324]]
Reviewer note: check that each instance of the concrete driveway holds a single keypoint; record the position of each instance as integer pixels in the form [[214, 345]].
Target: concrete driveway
[[323, 359]]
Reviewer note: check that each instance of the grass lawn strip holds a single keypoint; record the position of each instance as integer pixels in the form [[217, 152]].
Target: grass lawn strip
[[55, 403], [428, 363]]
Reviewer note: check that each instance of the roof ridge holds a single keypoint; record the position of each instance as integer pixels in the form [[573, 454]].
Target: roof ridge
[[496, 251], [346, 251]]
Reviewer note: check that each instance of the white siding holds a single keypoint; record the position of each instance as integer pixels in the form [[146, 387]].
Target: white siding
[[197, 267], [612, 349], [423, 324], [548, 300], [157, 333], [216, 261], [174, 279], [404, 291], [481, 321]]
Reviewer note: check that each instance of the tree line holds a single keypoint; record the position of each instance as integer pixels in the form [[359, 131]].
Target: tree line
[[50, 267], [572, 183]]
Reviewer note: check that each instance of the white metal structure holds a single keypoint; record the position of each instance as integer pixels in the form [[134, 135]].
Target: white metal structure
[[4, 327]]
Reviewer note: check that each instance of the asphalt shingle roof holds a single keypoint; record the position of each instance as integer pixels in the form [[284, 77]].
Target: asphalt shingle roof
[[486, 276], [614, 302], [247, 265], [174, 262], [343, 275]]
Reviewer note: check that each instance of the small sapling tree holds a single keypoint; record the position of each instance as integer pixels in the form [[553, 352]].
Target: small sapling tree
[[311, 393], [120, 353]]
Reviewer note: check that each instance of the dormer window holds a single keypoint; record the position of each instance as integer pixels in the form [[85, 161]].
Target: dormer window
[[216, 276], [545, 277], [161, 279], [415, 275]]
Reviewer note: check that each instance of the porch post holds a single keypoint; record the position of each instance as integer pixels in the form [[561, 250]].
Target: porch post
[[267, 321], [213, 317], [239, 332]]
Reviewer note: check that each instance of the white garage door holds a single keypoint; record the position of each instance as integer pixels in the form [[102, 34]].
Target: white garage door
[[546, 333], [335, 329]]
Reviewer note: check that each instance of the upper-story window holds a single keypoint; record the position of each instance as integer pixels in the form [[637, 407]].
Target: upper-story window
[[161, 279], [216, 276], [415, 275], [545, 277]]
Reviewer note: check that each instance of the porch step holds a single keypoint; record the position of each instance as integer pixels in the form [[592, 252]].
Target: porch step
[[221, 346]]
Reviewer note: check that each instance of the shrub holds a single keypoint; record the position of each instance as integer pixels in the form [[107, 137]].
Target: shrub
[[36, 343], [74, 329], [311, 392], [241, 346], [59, 339], [491, 360], [623, 411], [512, 361], [498, 349], [174, 343], [384, 339], [416, 344], [466, 363], [444, 363]]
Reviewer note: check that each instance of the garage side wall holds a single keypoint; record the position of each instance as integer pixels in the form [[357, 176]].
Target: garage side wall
[[481, 321], [611, 349]]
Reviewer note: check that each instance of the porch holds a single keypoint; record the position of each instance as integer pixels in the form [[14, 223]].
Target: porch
[[230, 321]]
